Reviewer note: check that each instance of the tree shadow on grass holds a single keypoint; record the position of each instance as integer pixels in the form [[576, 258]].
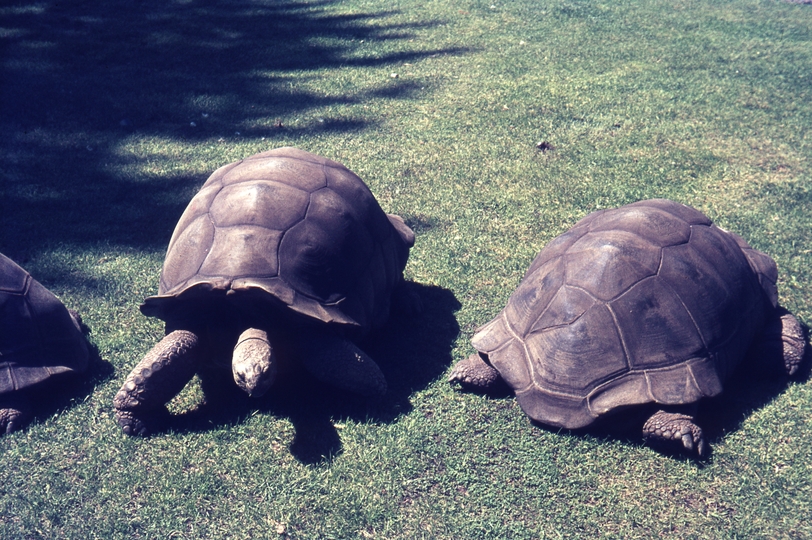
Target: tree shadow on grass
[[412, 351], [79, 79]]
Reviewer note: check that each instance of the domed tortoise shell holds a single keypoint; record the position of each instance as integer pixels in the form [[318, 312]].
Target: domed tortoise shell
[[646, 303], [290, 227], [39, 338]]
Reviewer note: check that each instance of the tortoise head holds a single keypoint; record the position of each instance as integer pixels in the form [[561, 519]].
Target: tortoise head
[[254, 364]]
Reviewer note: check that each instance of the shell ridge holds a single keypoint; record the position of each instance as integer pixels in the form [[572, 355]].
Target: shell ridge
[[34, 315], [208, 249], [649, 393], [541, 315], [325, 176], [526, 359], [690, 315], [284, 233], [570, 323], [692, 375], [623, 344], [7, 372]]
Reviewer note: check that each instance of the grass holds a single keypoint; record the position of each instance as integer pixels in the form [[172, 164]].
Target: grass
[[439, 106]]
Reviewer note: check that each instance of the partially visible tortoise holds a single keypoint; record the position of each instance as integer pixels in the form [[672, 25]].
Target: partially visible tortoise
[[282, 255], [41, 340], [649, 304]]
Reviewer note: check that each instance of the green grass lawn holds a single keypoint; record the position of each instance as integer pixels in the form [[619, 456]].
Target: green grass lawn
[[112, 115]]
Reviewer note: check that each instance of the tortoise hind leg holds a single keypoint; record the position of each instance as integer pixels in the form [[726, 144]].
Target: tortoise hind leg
[[156, 379], [673, 427], [15, 412], [339, 362], [475, 373]]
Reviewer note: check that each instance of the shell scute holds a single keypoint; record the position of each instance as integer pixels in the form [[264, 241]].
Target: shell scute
[[607, 264], [532, 297], [273, 205], [575, 358], [257, 247], [323, 255], [657, 328], [187, 253], [298, 173], [564, 308], [658, 227], [689, 215]]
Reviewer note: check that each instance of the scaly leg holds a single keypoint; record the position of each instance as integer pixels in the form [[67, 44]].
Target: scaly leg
[[677, 428], [15, 411], [781, 348], [156, 379], [475, 373], [338, 362]]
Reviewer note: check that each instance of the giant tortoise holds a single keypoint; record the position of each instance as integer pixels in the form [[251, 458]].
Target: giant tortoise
[[647, 307], [41, 341], [282, 257]]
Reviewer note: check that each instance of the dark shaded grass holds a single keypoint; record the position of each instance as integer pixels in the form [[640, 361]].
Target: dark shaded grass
[[82, 78]]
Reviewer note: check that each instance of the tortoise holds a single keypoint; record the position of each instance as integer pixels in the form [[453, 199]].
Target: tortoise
[[41, 341], [648, 307], [283, 257]]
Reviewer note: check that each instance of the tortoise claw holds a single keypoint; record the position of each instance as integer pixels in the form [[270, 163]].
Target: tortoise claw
[[688, 442]]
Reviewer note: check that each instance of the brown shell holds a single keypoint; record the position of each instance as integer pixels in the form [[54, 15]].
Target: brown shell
[[646, 303], [39, 338], [292, 226]]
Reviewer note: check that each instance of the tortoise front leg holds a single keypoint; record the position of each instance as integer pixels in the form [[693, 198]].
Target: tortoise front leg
[[337, 361], [669, 427], [156, 379]]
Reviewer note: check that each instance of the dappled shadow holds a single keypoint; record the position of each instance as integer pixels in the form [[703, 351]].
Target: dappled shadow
[[412, 351], [79, 78]]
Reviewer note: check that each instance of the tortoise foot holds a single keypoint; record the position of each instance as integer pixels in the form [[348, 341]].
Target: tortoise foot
[[474, 373], [12, 418], [676, 428], [142, 423]]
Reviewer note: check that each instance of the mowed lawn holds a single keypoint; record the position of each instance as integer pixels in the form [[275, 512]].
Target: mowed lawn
[[491, 127]]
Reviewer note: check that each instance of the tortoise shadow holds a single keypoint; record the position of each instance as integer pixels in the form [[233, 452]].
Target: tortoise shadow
[[411, 350], [746, 393]]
